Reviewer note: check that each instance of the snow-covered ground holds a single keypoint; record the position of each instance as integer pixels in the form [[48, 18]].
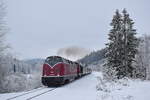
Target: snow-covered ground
[[85, 89], [123, 89], [126, 90]]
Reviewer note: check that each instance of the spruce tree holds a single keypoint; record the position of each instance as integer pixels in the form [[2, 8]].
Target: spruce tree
[[122, 45], [114, 45], [130, 43]]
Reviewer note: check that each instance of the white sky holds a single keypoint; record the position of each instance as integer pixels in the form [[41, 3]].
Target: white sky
[[38, 28]]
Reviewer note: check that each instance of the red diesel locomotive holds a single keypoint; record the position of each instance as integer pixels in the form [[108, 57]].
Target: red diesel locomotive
[[58, 70]]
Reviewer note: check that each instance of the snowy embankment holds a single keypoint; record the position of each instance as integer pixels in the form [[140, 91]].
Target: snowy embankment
[[20, 82], [86, 89], [124, 89]]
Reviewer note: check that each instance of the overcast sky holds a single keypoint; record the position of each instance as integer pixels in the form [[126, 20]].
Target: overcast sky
[[38, 28]]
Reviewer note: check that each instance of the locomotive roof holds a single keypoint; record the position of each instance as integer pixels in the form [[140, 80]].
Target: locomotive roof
[[62, 58], [67, 60], [56, 57]]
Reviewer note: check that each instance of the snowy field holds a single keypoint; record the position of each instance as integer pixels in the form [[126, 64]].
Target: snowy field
[[85, 89]]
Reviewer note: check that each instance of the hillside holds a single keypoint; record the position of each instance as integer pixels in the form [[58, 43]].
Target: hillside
[[94, 57]]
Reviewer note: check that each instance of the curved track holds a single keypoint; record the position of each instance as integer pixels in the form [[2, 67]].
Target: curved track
[[40, 94], [27, 94]]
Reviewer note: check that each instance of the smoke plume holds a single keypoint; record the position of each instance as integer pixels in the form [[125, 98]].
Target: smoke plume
[[73, 52]]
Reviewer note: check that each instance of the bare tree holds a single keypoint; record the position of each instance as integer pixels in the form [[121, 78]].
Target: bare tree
[[3, 32], [143, 58], [3, 29]]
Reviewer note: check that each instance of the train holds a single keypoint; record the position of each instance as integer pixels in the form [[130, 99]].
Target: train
[[58, 71]]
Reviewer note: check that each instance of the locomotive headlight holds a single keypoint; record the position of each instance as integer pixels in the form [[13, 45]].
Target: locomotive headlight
[[58, 74]]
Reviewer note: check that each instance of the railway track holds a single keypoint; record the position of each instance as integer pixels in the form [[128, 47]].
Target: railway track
[[40, 94], [30, 93]]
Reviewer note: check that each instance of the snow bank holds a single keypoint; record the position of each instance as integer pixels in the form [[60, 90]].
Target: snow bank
[[20, 82], [124, 89]]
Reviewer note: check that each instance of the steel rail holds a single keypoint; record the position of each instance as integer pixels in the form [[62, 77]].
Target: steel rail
[[32, 91], [40, 94]]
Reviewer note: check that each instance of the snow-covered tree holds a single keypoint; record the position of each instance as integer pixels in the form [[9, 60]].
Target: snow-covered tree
[[143, 58], [25, 76], [146, 59], [122, 46], [15, 75], [130, 44], [2, 44], [114, 46]]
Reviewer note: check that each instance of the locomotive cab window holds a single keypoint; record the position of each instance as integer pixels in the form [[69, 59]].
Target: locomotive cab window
[[53, 60]]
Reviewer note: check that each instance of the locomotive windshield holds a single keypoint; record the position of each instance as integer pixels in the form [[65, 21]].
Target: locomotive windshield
[[53, 60]]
